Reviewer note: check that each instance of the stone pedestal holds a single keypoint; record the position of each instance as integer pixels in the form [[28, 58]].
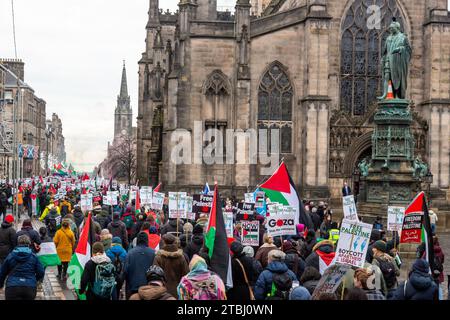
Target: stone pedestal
[[390, 179]]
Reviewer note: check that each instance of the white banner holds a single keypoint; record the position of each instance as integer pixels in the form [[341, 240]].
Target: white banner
[[281, 224], [395, 218], [228, 219], [353, 243], [86, 202], [177, 205], [158, 200], [146, 195], [349, 206], [112, 197], [249, 198]]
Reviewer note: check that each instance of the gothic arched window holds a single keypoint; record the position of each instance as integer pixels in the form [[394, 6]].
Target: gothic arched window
[[362, 38], [275, 97]]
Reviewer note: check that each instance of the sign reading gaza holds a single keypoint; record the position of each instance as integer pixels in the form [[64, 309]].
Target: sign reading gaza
[[281, 224]]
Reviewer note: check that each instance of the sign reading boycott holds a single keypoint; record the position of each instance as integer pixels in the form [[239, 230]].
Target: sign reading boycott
[[412, 228], [331, 279], [353, 243], [250, 233], [395, 218], [281, 225], [202, 203], [349, 207]]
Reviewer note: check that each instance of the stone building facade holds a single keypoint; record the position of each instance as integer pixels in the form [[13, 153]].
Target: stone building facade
[[310, 68]]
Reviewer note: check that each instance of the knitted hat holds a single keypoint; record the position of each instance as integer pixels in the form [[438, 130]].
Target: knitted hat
[[300, 293], [9, 219], [287, 245], [380, 245], [236, 247], [198, 229], [152, 230], [142, 239], [249, 251], [188, 227], [421, 265], [169, 238], [276, 255], [117, 240], [26, 223]]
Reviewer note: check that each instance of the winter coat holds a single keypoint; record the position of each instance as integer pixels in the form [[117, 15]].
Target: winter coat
[[419, 286], [324, 228], [3, 201], [65, 242], [116, 250], [294, 262], [386, 257], [88, 277], [8, 240], [323, 250], [21, 269], [152, 292], [240, 290], [48, 220], [79, 216], [262, 255], [172, 261], [311, 285], [307, 246], [171, 226], [118, 229], [137, 262], [316, 220], [264, 283], [103, 219], [195, 245], [65, 208], [32, 234]]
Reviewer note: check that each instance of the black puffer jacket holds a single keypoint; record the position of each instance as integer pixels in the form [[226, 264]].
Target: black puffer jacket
[[118, 229], [32, 234], [240, 290], [171, 226], [8, 240], [103, 218], [78, 216], [294, 262], [194, 246]]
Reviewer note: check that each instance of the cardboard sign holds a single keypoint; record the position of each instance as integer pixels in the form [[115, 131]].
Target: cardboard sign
[[157, 200], [112, 197], [228, 219], [353, 243], [249, 198], [259, 199], [189, 213], [202, 203], [250, 233], [331, 279], [177, 205], [146, 195], [281, 224], [86, 202], [412, 228], [349, 206], [395, 218]]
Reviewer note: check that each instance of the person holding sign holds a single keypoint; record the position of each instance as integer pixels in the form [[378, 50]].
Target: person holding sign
[[243, 273], [362, 280], [387, 266]]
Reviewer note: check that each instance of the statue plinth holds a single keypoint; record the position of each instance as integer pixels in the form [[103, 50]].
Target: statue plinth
[[390, 176]]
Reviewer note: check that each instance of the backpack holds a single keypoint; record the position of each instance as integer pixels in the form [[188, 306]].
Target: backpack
[[281, 287], [205, 290], [117, 265], [53, 224], [388, 270], [128, 220], [105, 280], [64, 210]]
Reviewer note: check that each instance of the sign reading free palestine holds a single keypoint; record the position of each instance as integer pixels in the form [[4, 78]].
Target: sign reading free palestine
[[353, 243]]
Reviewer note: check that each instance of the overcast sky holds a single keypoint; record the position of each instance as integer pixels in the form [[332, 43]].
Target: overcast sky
[[73, 52]]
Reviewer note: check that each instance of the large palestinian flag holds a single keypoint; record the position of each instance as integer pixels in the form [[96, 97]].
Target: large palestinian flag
[[280, 188], [216, 242], [81, 257], [417, 227], [48, 255]]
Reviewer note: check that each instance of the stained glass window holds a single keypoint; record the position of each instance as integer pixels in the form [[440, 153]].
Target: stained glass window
[[361, 43], [275, 99]]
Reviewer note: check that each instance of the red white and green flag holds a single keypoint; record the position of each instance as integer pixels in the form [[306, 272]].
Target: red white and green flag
[[48, 255], [280, 188], [216, 241], [81, 256], [137, 203], [157, 188], [35, 207]]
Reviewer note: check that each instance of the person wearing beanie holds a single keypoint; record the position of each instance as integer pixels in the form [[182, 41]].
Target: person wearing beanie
[[89, 273], [387, 265], [117, 254], [21, 270], [198, 276], [8, 238], [27, 229], [322, 255], [263, 252], [293, 260], [420, 285], [171, 259], [106, 239], [156, 287], [300, 293], [118, 229], [196, 243], [137, 262], [244, 274], [43, 235], [275, 265]]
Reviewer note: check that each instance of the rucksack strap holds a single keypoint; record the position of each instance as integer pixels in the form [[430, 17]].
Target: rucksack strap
[[252, 296]]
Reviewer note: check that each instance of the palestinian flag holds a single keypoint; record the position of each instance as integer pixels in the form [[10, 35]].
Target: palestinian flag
[[137, 204], [417, 227], [81, 256], [216, 242], [47, 255], [158, 187], [280, 188], [35, 208]]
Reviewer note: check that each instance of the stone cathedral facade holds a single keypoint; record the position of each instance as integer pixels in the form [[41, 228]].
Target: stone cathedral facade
[[309, 68]]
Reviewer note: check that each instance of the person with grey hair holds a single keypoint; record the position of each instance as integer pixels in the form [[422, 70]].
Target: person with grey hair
[[21, 270], [276, 265]]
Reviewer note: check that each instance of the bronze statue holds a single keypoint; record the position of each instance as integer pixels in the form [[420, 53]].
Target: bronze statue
[[395, 62]]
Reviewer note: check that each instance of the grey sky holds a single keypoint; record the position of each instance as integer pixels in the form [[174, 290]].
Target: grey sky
[[73, 52]]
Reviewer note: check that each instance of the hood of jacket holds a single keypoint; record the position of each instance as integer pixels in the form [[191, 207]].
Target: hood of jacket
[[151, 292], [116, 223], [173, 223], [198, 239], [21, 254], [100, 259], [420, 281], [326, 246], [170, 251], [277, 267], [6, 225]]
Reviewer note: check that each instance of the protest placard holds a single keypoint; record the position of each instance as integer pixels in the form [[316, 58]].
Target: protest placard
[[395, 218], [249, 198], [86, 202], [331, 279], [157, 200], [146, 195], [259, 199], [250, 233], [189, 214], [202, 204], [349, 207], [281, 224], [177, 205], [228, 219], [353, 243], [412, 228]]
